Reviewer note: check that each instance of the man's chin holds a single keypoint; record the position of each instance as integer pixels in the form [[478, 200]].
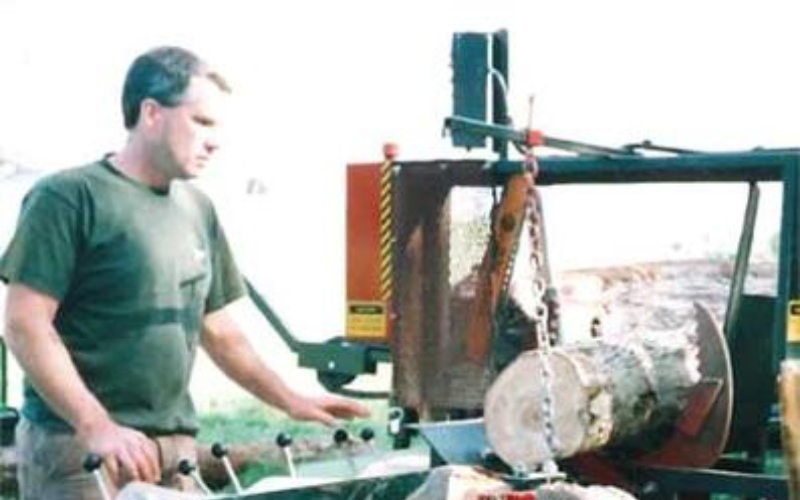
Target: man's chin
[[192, 173]]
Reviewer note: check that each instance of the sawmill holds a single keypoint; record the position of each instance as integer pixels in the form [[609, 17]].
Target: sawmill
[[482, 373]]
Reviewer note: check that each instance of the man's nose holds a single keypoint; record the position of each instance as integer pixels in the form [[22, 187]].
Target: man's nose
[[211, 145]]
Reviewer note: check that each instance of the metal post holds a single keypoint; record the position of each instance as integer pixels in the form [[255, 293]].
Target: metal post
[[341, 439], [787, 332], [742, 262], [92, 464], [188, 468], [284, 442], [221, 452]]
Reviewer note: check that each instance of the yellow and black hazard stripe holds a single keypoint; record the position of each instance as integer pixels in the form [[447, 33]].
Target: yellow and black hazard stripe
[[386, 232]]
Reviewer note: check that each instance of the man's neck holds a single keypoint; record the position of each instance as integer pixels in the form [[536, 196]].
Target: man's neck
[[132, 162]]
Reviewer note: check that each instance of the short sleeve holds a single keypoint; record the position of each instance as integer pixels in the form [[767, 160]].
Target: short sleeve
[[42, 253], [227, 284]]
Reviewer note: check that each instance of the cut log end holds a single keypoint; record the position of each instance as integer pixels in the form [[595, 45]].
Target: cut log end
[[554, 404], [516, 413]]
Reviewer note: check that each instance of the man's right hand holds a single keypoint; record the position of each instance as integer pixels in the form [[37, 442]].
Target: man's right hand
[[128, 455]]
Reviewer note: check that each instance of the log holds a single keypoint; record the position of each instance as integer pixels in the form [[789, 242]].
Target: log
[[147, 491], [459, 482], [8, 471], [212, 469], [243, 455], [620, 393], [789, 391], [572, 491]]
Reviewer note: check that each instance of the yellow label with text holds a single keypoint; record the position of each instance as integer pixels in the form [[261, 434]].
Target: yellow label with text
[[793, 321], [366, 319]]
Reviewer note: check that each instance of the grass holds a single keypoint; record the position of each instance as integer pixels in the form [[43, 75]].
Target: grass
[[254, 422]]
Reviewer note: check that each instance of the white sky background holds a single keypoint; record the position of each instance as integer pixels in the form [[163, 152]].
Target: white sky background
[[320, 84]]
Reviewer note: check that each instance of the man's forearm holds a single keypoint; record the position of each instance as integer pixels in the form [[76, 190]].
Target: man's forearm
[[233, 353], [43, 357], [235, 356]]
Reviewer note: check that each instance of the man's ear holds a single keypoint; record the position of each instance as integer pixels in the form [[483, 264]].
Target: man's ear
[[149, 112]]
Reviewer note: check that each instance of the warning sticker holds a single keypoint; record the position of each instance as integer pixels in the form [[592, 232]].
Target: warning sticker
[[793, 322], [366, 319]]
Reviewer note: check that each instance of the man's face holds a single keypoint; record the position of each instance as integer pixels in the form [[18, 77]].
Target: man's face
[[187, 134]]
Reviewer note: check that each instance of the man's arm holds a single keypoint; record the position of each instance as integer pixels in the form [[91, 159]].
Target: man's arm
[[232, 352], [38, 348]]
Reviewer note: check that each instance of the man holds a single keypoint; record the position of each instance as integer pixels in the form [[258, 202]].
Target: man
[[116, 272]]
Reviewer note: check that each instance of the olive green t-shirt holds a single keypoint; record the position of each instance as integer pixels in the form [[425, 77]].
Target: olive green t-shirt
[[134, 271]]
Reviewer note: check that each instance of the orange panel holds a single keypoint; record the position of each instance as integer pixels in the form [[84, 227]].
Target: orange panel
[[367, 311]]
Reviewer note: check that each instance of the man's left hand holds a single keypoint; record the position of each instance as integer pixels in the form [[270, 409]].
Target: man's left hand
[[327, 409]]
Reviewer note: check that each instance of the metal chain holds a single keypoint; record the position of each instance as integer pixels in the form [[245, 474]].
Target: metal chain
[[536, 258], [541, 310]]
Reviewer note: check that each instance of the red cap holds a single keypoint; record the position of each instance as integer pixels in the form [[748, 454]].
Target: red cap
[[534, 138], [390, 150]]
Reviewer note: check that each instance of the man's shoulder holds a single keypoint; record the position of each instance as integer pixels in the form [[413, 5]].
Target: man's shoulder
[[187, 190], [70, 179]]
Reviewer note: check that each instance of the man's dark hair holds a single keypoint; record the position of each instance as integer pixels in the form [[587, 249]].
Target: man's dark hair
[[163, 74]]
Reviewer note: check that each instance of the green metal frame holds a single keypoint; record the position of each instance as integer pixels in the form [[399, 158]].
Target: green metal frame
[[336, 361], [752, 167]]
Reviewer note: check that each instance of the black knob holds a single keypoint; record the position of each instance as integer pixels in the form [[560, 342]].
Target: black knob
[[341, 436], [186, 467], [92, 462], [219, 450], [367, 434], [283, 440]]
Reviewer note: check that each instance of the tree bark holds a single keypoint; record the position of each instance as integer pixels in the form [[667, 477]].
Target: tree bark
[[8, 471], [789, 391], [556, 403]]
